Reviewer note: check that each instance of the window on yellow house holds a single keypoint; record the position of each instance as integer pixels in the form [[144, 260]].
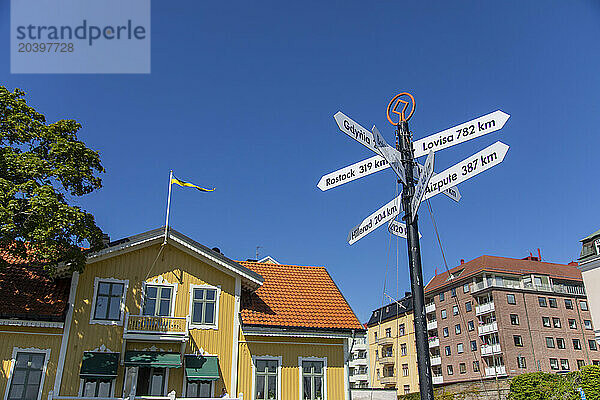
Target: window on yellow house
[[97, 387], [157, 300], [266, 379], [312, 380], [27, 375], [205, 306], [109, 301]]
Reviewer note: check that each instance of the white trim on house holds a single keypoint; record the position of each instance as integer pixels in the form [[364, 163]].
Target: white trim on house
[[32, 333], [160, 281], [324, 360], [97, 280], [194, 325], [66, 332], [35, 324], [16, 350], [236, 337], [292, 343], [263, 331], [112, 388], [279, 360]]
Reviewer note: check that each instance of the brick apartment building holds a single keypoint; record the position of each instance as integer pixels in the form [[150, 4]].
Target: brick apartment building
[[500, 317]]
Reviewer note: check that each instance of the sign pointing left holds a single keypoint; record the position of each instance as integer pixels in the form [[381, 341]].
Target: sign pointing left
[[355, 131]]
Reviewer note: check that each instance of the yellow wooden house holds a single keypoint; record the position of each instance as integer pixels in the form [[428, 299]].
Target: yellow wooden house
[[166, 319]]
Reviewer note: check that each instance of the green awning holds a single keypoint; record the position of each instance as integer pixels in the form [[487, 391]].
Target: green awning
[[99, 365], [201, 368], [152, 359]]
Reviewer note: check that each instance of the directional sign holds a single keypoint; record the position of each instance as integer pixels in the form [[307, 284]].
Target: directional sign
[[398, 229], [391, 155], [375, 220], [467, 168], [422, 184], [461, 133], [367, 167], [355, 131], [352, 172]]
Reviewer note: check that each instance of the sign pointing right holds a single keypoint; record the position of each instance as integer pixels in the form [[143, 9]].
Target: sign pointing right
[[467, 168], [461, 133]]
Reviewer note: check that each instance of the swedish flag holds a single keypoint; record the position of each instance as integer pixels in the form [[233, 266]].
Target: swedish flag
[[187, 184]]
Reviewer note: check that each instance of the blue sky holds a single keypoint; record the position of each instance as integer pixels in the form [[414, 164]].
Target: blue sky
[[242, 96]]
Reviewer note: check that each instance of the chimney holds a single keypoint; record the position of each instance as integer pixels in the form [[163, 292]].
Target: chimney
[[217, 250], [539, 255], [462, 261], [105, 239], [573, 263]]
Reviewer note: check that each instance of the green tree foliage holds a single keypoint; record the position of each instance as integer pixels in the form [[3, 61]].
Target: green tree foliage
[[43, 168], [544, 386]]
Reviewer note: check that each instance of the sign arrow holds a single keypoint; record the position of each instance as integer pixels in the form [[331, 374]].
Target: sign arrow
[[461, 133], [467, 168], [390, 154], [355, 131], [388, 211], [398, 229], [424, 178]]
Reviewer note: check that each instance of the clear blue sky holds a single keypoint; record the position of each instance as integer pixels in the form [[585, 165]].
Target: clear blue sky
[[242, 94]]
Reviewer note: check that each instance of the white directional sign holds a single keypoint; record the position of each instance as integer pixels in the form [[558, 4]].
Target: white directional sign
[[375, 220], [367, 167], [355, 131], [424, 178], [467, 168], [398, 229], [352, 172], [461, 133], [391, 155]]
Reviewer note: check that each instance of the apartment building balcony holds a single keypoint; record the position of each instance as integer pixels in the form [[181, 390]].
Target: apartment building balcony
[[386, 359], [357, 362], [387, 380], [432, 325], [429, 308], [385, 340], [359, 377], [485, 308], [437, 380], [152, 328], [488, 328], [495, 371], [490, 349], [436, 360], [434, 342]]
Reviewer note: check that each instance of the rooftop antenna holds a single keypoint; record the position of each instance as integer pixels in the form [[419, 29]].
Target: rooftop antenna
[[258, 247]]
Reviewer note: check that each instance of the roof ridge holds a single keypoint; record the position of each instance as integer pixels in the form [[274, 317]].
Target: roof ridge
[[281, 265]]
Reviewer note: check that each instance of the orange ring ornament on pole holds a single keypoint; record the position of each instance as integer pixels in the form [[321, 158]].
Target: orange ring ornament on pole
[[398, 102]]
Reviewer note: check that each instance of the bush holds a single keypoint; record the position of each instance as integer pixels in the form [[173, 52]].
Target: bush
[[589, 380], [545, 386]]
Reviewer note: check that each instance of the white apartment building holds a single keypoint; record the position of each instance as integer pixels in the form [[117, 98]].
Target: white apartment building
[[359, 363], [589, 264]]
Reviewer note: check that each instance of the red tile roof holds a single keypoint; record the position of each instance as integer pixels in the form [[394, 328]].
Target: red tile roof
[[28, 292], [297, 297], [505, 265]]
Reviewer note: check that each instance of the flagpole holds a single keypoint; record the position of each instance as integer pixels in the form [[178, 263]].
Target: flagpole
[[168, 207]]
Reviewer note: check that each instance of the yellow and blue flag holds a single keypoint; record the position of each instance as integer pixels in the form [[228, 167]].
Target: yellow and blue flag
[[188, 184]]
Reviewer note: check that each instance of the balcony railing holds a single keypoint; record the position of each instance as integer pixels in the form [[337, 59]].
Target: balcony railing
[[385, 340], [161, 327], [488, 328], [436, 360], [568, 289], [511, 284], [485, 308], [495, 371], [434, 342], [437, 379], [359, 377], [490, 349], [385, 380], [429, 308], [432, 325], [388, 359]]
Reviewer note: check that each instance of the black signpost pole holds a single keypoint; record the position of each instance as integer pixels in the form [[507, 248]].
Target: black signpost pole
[[404, 146]]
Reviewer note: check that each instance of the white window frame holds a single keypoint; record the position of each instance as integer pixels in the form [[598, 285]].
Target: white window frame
[[279, 360], [97, 280], [155, 282], [324, 360], [13, 362], [112, 387], [194, 325]]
